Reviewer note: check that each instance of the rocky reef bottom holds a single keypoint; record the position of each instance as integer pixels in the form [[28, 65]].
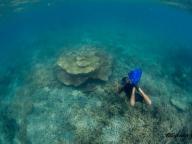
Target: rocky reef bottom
[[42, 110]]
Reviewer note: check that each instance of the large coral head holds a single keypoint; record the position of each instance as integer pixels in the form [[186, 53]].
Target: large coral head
[[135, 76]]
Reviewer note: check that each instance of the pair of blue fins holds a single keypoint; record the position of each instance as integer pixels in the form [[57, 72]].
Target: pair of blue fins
[[135, 76]]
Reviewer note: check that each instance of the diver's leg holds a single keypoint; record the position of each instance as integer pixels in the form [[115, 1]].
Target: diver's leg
[[132, 100], [145, 97]]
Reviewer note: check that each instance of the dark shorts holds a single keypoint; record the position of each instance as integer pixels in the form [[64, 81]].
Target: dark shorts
[[127, 88], [138, 97]]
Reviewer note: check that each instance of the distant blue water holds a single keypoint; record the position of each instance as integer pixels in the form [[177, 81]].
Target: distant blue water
[[144, 29], [141, 23]]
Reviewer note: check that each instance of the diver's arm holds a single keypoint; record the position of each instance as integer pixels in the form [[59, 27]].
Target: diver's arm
[[145, 97], [132, 100]]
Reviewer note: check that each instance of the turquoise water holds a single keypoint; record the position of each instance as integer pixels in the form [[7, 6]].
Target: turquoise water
[[36, 108]]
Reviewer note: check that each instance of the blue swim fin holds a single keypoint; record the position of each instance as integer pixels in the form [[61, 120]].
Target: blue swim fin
[[135, 76]]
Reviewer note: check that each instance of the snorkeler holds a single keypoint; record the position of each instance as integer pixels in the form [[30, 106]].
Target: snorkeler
[[130, 86]]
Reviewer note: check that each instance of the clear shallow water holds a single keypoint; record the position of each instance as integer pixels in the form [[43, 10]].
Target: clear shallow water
[[151, 35]]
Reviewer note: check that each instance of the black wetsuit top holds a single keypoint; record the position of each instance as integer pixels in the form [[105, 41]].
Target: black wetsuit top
[[127, 88]]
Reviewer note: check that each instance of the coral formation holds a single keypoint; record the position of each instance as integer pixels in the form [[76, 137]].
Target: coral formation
[[180, 103], [76, 67], [44, 111], [113, 133], [38, 107]]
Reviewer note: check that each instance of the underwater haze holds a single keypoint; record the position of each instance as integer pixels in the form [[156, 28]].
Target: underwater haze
[[40, 106]]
